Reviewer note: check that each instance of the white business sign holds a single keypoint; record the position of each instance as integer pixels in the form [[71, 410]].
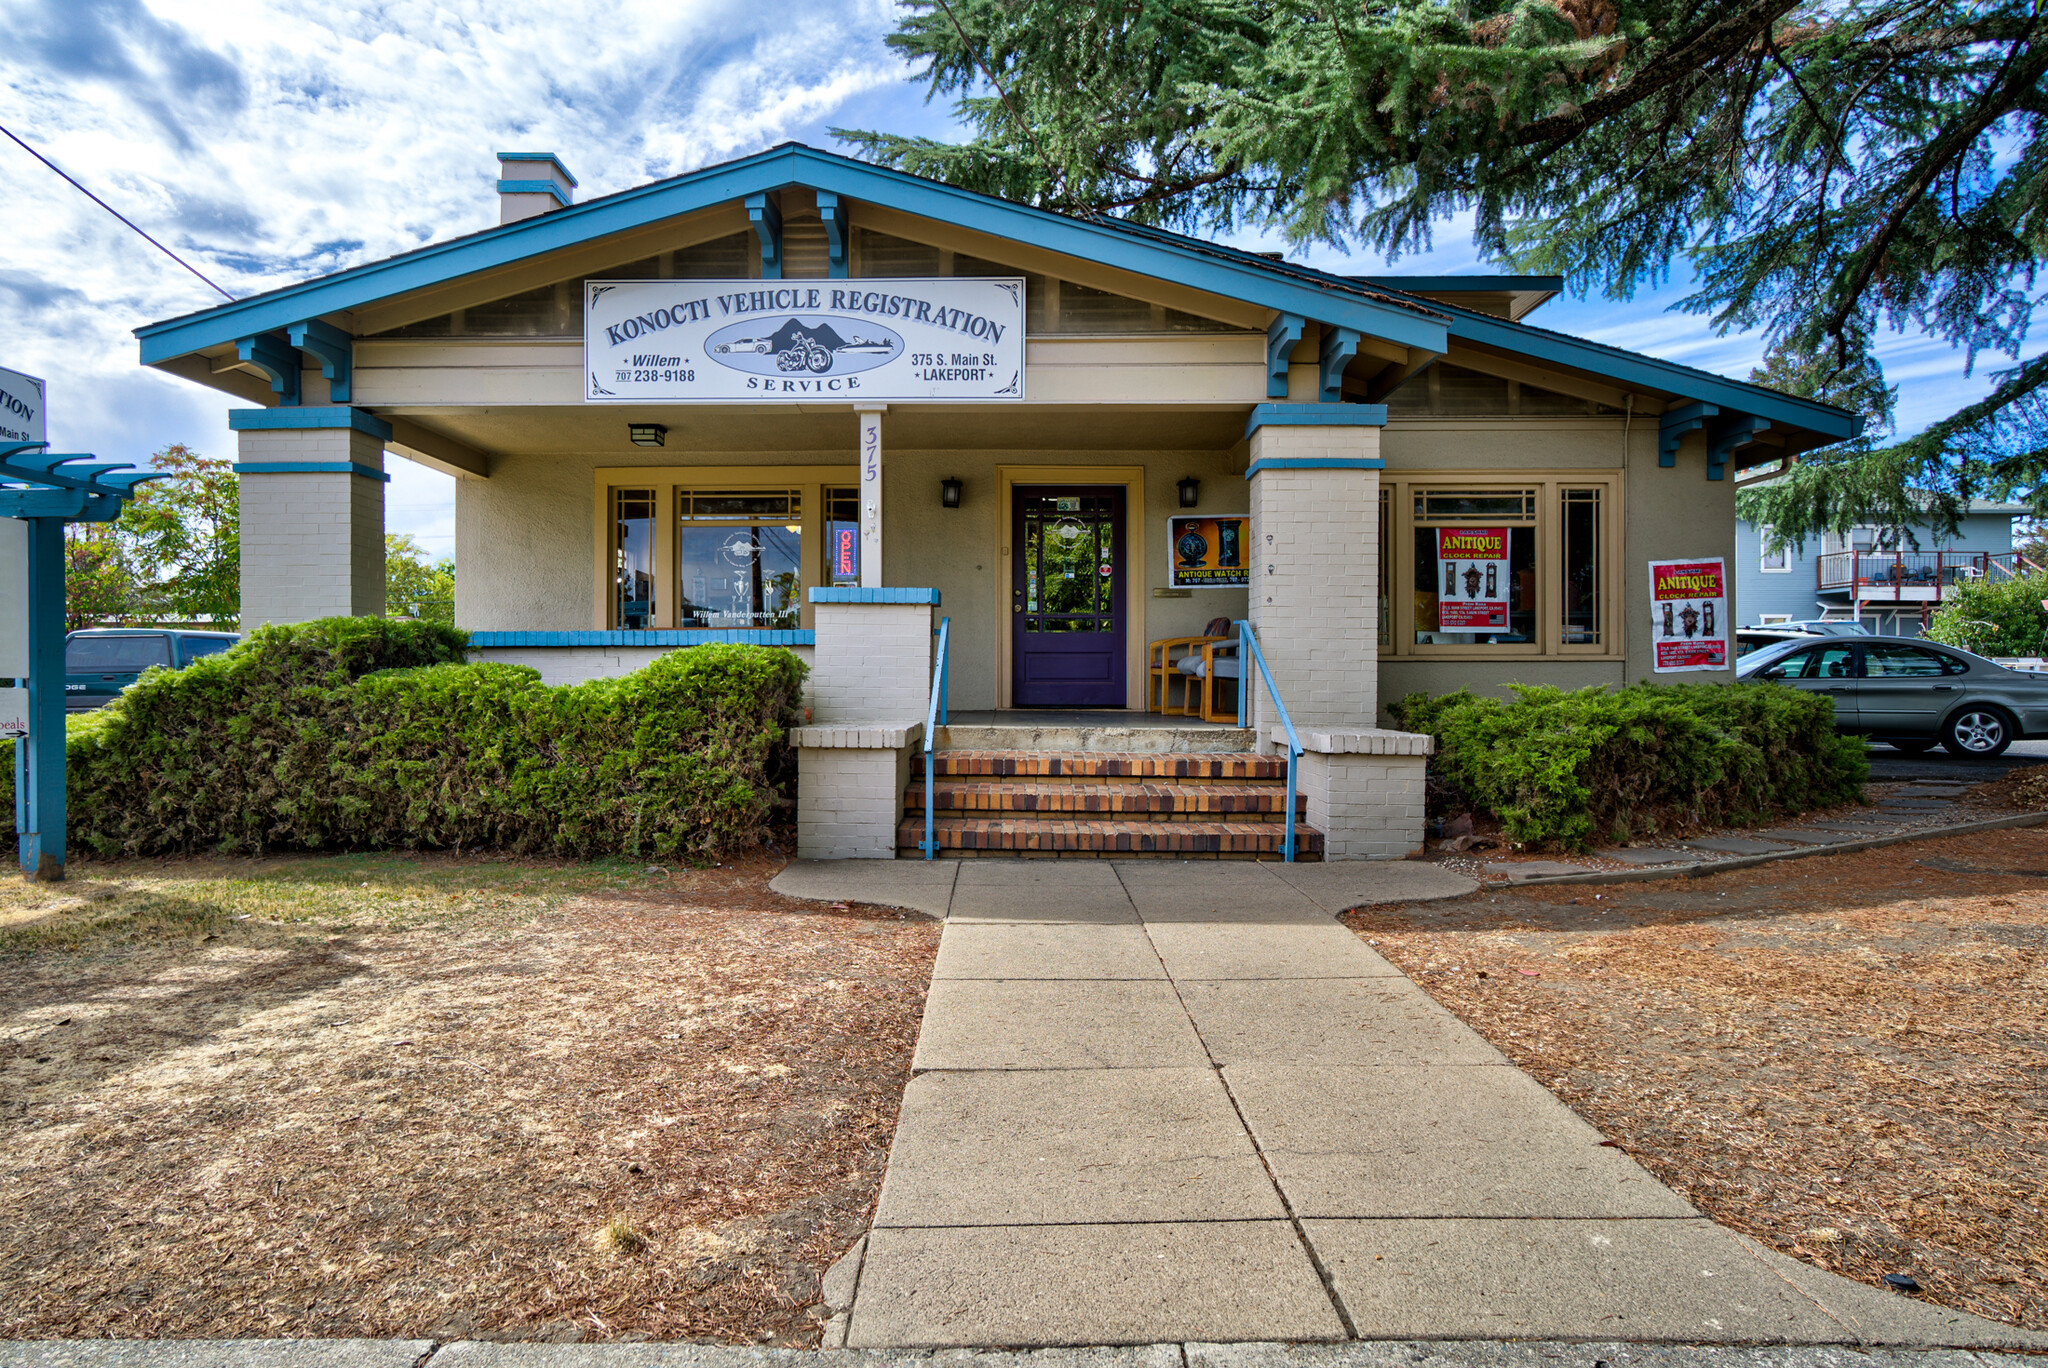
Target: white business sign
[[754, 341], [21, 420], [13, 714], [21, 408]]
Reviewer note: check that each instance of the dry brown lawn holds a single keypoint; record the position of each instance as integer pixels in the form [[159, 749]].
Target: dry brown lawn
[[440, 1097], [1844, 1056]]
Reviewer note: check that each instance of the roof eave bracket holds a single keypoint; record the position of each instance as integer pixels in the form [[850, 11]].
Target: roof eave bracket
[[767, 221], [275, 356], [1673, 426], [1339, 345], [333, 348], [1283, 334], [833, 213]]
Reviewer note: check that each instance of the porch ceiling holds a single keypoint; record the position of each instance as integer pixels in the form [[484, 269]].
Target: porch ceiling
[[803, 433]]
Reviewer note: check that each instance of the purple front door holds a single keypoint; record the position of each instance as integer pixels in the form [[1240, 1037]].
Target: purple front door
[[1067, 597]]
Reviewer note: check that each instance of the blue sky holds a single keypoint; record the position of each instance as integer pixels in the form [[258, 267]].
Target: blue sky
[[271, 140]]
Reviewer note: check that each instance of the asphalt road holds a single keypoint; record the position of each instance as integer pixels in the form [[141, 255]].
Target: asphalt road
[[1887, 764]]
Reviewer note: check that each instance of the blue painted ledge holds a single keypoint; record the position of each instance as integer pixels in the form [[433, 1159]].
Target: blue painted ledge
[[310, 468], [1315, 463], [930, 596], [489, 641], [1316, 415]]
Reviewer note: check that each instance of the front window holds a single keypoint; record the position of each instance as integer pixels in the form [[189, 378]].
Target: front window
[[1881, 660], [1778, 562], [633, 559], [115, 654], [1475, 567], [739, 556]]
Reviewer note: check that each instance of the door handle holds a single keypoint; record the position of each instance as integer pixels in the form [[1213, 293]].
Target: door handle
[[1944, 688]]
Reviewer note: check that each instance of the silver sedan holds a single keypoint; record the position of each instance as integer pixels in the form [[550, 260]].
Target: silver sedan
[[1910, 693]]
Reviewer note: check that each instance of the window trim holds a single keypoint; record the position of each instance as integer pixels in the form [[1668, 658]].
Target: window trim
[[1549, 485], [809, 481]]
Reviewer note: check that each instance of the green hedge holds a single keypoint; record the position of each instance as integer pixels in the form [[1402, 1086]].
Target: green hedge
[[1564, 769], [372, 732]]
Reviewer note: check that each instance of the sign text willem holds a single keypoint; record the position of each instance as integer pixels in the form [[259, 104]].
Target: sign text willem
[[773, 341]]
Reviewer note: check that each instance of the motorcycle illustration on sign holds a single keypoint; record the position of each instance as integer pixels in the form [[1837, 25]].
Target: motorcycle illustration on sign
[[804, 346]]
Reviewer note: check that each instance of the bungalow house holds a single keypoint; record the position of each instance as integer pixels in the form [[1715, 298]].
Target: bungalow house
[[800, 400]]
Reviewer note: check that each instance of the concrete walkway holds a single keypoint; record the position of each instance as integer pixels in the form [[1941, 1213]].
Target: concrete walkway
[[1158, 1102]]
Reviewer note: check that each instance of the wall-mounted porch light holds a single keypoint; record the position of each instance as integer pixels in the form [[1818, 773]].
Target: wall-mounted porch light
[[949, 492], [647, 434], [1190, 491]]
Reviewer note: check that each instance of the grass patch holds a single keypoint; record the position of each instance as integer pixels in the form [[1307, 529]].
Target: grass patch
[[128, 902]]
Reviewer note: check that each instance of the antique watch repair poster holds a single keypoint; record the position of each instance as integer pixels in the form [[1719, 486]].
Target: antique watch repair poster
[[1689, 615]]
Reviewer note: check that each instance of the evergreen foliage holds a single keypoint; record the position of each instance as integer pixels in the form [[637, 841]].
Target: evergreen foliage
[[372, 733], [1827, 169], [1566, 769], [2002, 617]]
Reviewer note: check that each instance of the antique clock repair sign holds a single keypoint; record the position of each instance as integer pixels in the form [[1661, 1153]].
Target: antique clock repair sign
[[752, 341]]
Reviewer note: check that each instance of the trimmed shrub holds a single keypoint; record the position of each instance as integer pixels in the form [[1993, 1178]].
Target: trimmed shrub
[[374, 733], [1561, 768], [2001, 617]]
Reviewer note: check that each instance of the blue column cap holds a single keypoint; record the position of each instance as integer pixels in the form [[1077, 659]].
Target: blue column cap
[[303, 418]]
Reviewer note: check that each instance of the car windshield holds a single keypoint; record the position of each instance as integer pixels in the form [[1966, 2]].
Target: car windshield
[[115, 654]]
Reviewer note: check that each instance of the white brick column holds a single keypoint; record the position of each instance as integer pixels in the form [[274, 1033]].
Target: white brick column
[[312, 493], [873, 659], [871, 681], [1315, 510]]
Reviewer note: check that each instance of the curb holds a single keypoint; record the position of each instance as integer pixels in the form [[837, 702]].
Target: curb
[[1700, 869]]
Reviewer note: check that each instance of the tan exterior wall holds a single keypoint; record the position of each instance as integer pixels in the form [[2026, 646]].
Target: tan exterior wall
[[527, 537], [312, 543]]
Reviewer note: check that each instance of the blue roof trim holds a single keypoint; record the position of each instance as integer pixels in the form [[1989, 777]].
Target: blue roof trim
[[311, 468], [1144, 251], [533, 187], [489, 641], [538, 156], [1315, 415], [1315, 463], [930, 596], [1633, 368], [289, 419], [1466, 284]]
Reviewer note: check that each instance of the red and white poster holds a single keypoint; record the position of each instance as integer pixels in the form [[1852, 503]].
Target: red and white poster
[[1689, 615], [1472, 579]]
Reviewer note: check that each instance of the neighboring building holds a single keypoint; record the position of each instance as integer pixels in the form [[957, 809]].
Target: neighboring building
[[817, 398], [1890, 579]]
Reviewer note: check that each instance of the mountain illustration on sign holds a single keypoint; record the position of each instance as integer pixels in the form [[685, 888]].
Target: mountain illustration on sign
[[797, 347]]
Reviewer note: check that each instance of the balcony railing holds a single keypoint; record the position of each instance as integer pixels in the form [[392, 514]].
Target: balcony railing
[[1929, 572]]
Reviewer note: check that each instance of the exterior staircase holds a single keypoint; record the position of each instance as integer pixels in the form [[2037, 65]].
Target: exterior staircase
[[1080, 804]]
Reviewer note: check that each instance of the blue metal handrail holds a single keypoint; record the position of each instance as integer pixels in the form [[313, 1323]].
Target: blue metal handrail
[[934, 718], [1248, 649]]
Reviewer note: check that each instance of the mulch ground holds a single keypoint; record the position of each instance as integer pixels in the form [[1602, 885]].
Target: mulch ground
[[1845, 1057], [656, 1110]]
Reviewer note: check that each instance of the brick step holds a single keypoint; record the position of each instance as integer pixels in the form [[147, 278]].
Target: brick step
[[1158, 802], [1027, 836], [1087, 766]]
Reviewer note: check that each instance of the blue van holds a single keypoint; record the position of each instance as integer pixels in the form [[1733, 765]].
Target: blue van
[[99, 662]]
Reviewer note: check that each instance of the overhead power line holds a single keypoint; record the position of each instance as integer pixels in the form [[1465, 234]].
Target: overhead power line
[[115, 212]]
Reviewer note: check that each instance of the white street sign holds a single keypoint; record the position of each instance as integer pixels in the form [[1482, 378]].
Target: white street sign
[[13, 714], [802, 341], [14, 538], [21, 408]]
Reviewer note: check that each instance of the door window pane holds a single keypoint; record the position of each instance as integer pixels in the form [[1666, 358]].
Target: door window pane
[[633, 559], [1821, 662], [1070, 573], [1580, 536], [1882, 661]]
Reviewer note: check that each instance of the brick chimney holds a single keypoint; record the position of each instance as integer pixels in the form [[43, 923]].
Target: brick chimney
[[531, 183]]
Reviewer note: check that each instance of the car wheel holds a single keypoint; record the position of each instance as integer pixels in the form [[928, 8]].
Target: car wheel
[[1978, 730], [1918, 746]]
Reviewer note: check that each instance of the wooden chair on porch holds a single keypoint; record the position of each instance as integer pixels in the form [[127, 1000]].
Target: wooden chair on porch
[[1194, 661]]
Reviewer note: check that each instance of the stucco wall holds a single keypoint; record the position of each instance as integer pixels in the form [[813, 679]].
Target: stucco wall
[[525, 541]]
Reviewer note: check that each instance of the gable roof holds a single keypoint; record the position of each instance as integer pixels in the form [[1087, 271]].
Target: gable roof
[[1142, 251], [1371, 307]]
